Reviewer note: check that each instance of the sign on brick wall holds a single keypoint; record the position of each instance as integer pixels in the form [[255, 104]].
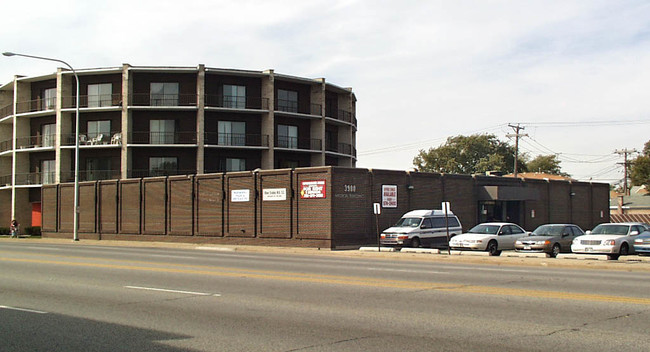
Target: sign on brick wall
[[312, 189]]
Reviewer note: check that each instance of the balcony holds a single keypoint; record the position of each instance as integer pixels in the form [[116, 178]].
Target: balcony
[[40, 141], [6, 145], [298, 143], [162, 138], [293, 106], [92, 175], [146, 99], [93, 101], [341, 148], [35, 178], [36, 105], [6, 111], [236, 102], [236, 139], [137, 173], [342, 115], [112, 138]]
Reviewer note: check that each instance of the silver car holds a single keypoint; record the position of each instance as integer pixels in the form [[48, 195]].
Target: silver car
[[551, 239]]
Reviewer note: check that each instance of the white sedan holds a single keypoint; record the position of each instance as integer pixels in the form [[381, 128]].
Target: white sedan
[[492, 237], [614, 239]]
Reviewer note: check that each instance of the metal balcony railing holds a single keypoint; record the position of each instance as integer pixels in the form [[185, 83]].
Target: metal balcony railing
[[146, 99], [236, 102], [342, 148], [342, 115], [46, 140], [5, 180], [114, 137], [294, 107], [160, 172], [6, 111], [35, 178], [92, 101], [163, 138], [298, 143], [36, 105], [92, 175], [237, 139], [6, 145]]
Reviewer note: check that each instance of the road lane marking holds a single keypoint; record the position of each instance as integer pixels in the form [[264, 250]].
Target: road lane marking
[[173, 291], [344, 280], [23, 310], [408, 271]]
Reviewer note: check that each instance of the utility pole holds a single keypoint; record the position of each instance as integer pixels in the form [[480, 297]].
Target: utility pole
[[516, 128], [625, 152]]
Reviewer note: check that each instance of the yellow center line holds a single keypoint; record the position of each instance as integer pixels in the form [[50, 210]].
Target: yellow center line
[[337, 279]]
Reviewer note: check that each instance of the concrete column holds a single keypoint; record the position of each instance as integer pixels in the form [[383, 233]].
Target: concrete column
[[200, 120], [127, 87], [318, 125], [64, 127], [268, 119]]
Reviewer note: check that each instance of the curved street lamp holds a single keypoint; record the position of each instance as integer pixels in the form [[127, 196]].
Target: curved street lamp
[[76, 148]]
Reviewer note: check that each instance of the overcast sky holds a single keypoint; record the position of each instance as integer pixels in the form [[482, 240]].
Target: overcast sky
[[575, 74]]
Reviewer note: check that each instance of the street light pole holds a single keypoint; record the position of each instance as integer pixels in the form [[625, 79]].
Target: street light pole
[[75, 226]]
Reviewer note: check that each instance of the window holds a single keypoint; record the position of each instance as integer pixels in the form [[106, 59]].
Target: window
[[164, 94], [49, 134], [234, 96], [288, 136], [100, 95], [49, 99], [235, 164], [287, 100], [98, 169], [99, 128], [48, 170], [232, 133], [163, 166], [161, 131]]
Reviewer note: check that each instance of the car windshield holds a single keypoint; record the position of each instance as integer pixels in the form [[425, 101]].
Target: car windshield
[[408, 222], [485, 229], [548, 230], [610, 230]]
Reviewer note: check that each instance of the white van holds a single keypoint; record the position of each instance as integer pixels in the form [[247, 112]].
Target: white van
[[422, 227]]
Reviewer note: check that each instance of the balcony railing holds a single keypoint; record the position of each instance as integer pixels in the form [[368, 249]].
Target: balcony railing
[[92, 175], [114, 137], [163, 138], [298, 143], [48, 104], [146, 99], [160, 172], [6, 111], [35, 178], [92, 101], [342, 148], [47, 140], [342, 115], [235, 102], [5, 180], [294, 107], [6, 145], [237, 139]]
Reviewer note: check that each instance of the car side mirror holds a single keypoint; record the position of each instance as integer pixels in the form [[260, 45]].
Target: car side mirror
[[634, 233], [565, 234], [588, 232], [424, 227]]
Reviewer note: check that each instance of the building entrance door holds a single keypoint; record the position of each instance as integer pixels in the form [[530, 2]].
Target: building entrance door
[[500, 210]]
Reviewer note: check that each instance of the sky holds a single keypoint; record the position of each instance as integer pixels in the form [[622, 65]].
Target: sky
[[574, 74]]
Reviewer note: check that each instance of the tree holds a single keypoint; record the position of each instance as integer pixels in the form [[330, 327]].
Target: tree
[[640, 167], [477, 153], [548, 164]]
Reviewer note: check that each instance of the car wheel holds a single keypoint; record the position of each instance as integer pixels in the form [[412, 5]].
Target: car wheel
[[612, 257], [554, 251], [415, 242], [625, 250], [493, 248]]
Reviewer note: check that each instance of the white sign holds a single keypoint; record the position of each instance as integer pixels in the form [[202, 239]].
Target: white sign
[[376, 208], [271, 194], [389, 196], [240, 195]]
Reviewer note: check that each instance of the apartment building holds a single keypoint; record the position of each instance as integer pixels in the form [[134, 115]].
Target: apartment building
[[140, 121]]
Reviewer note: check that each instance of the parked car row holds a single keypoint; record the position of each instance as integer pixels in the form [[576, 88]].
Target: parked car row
[[432, 228]]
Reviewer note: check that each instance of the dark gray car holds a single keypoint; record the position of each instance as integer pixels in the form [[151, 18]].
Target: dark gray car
[[551, 239]]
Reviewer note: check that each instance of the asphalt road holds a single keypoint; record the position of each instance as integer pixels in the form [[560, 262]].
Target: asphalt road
[[70, 297]]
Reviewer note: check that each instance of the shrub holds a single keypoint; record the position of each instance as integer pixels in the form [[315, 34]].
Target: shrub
[[33, 230], [4, 231]]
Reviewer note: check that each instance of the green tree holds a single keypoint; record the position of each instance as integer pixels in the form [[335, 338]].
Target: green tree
[[640, 167], [548, 164], [477, 153]]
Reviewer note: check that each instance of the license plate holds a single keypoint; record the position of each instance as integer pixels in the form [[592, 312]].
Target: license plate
[[588, 249], [526, 247]]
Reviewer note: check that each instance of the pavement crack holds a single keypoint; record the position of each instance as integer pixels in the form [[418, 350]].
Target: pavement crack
[[331, 343], [586, 324]]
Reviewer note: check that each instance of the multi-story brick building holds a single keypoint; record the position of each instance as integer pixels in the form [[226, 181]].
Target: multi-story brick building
[[150, 121]]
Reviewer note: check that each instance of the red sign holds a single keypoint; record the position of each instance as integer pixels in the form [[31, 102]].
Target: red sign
[[312, 189], [389, 196]]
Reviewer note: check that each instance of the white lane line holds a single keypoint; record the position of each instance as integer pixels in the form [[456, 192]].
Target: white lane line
[[173, 291], [23, 310]]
